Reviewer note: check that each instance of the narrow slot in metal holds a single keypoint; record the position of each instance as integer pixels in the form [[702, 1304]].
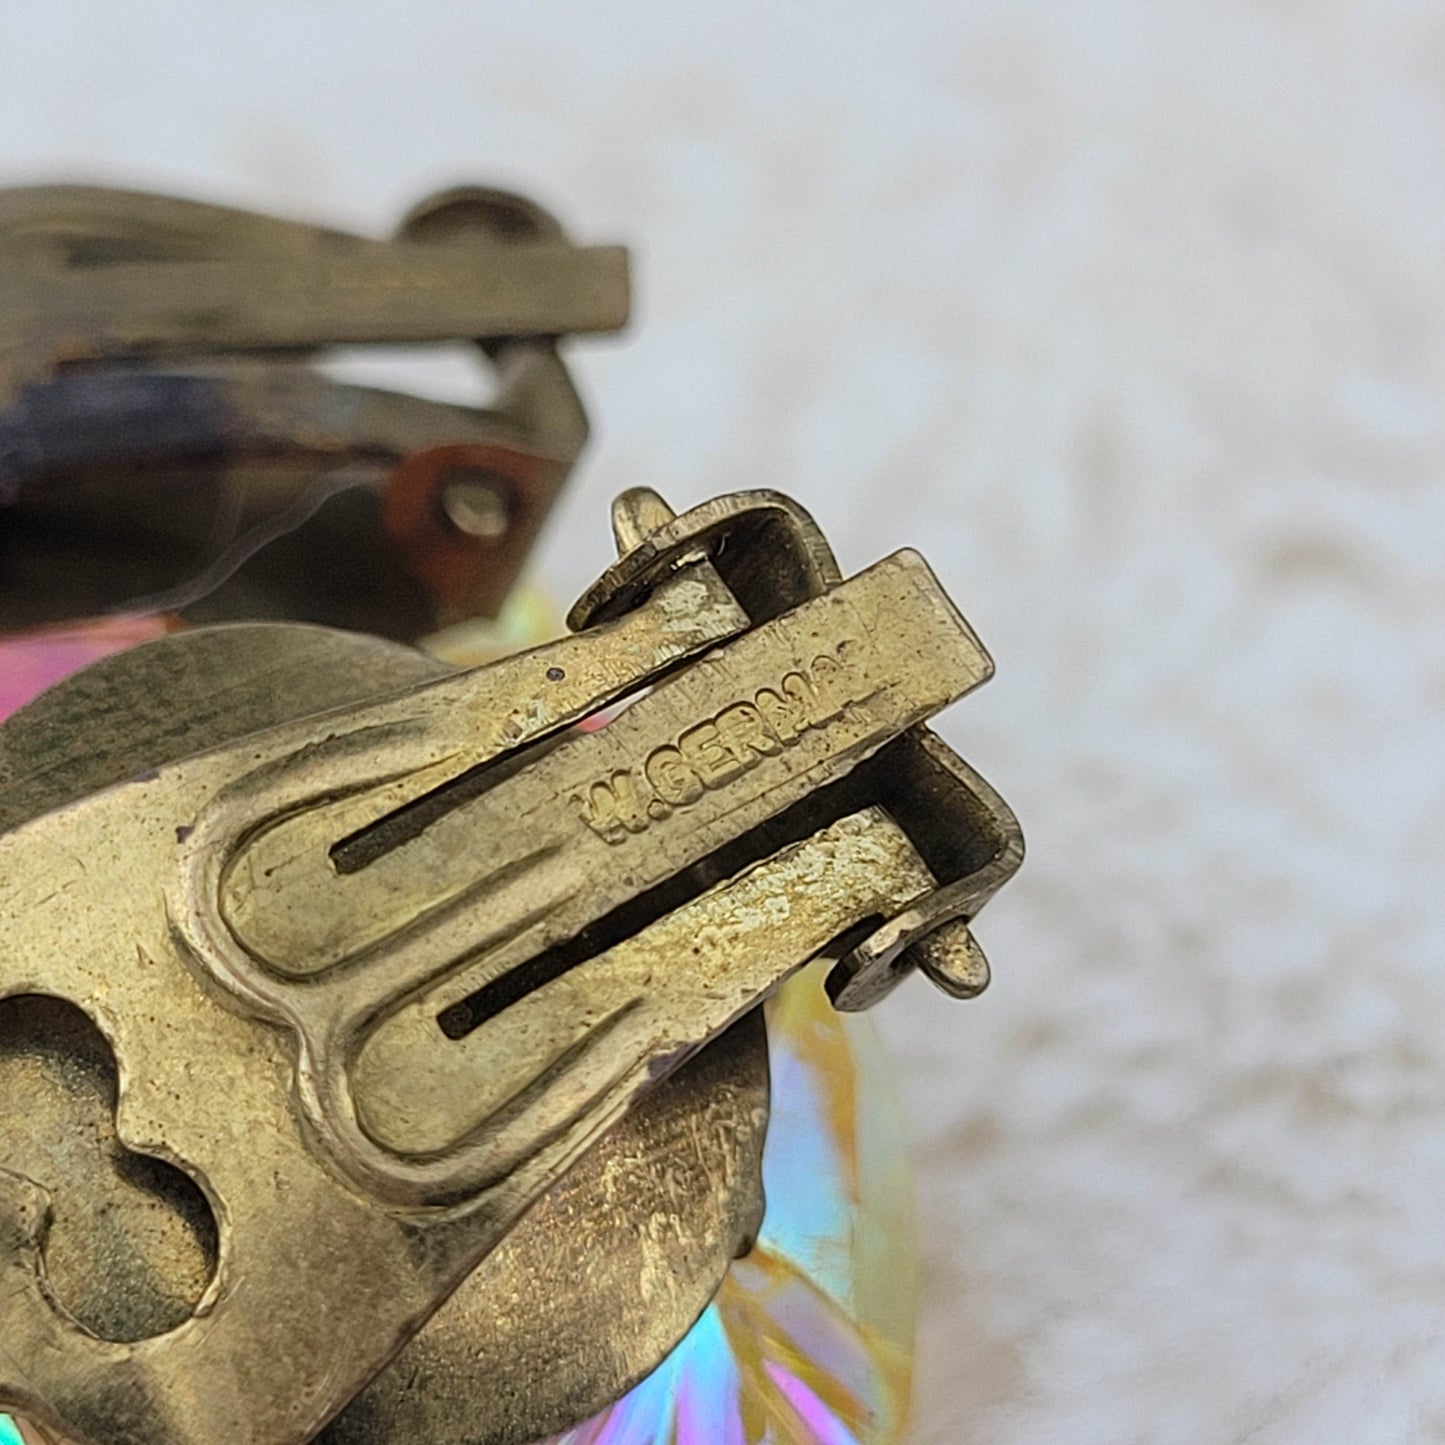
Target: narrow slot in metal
[[804, 818]]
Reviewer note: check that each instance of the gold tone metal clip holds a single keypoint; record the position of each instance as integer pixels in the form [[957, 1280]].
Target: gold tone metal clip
[[378, 978]]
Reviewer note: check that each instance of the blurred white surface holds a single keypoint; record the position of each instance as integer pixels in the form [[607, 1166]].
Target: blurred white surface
[[1132, 317]]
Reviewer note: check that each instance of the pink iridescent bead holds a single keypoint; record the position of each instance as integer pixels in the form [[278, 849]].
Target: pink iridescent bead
[[32, 661]]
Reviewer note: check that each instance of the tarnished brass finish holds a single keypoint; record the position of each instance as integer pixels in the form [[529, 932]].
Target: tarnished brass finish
[[170, 441], [379, 978], [87, 280], [592, 1288], [379, 1058]]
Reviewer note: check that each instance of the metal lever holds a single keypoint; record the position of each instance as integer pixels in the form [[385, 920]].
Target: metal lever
[[91, 276]]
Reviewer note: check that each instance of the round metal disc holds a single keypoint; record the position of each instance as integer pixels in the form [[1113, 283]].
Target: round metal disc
[[599, 1280]]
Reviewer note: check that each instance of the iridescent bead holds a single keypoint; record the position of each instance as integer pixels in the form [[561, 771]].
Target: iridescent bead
[[809, 1341], [32, 661]]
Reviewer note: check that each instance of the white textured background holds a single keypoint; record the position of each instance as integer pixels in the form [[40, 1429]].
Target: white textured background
[[1132, 315]]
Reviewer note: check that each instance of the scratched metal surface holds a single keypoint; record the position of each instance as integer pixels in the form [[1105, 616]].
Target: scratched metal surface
[[1133, 317]]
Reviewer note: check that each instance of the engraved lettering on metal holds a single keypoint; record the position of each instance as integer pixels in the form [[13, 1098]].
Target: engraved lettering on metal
[[713, 753]]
